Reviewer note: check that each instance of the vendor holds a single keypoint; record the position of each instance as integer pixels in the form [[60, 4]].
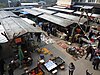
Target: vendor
[[42, 56], [27, 61]]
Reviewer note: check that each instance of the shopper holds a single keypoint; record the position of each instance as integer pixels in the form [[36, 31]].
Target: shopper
[[10, 71], [87, 73], [48, 31], [89, 51], [96, 62], [71, 68], [92, 53]]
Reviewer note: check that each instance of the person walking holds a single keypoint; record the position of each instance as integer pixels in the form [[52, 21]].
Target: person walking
[[89, 51], [87, 73], [10, 69], [71, 68], [96, 62], [48, 31]]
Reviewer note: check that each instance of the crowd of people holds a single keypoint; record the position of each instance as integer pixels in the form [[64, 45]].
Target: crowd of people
[[95, 56]]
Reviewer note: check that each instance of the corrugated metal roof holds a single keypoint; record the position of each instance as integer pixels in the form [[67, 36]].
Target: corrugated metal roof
[[4, 14], [35, 13], [87, 7], [17, 25], [14, 24], [44, 10], [78, 6], [58, 9], [28, 21], [89, 14], [56, 20], [71, 17]]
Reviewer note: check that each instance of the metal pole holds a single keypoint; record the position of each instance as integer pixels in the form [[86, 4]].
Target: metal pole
[[9, 3]]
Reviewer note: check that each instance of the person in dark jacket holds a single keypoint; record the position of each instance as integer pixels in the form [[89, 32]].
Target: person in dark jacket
[[87, 73], [71, 68], [48, 31], [96, 62], [89, 51], [2, 62], [92, 53], [10, 69]]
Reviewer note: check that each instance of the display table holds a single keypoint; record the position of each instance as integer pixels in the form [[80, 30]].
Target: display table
[[50, 65], [59, 61]]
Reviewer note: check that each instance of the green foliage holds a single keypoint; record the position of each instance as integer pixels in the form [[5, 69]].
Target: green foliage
[[2, 5]]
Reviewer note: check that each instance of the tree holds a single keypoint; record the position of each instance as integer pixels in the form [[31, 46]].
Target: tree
[[2, 5]]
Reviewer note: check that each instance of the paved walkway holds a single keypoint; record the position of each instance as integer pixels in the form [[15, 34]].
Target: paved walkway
[[81, 64]]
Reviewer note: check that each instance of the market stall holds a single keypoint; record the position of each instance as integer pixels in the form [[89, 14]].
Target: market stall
[[59, 62], [21, 37], [35, 71]]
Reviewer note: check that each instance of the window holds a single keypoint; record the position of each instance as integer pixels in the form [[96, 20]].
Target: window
[[91, 0]]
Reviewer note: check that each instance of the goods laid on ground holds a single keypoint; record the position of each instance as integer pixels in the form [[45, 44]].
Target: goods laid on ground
[[35, 71]]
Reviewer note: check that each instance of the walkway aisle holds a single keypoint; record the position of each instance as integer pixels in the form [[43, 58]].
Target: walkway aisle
[[81, 64]]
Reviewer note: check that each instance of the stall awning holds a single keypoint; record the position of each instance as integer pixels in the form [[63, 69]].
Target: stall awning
[[15, 26], [58, 9], [71, 17], [87, 7], [44, 10], [89, 14], [33, 12], [4, 14], [56, 20], [62, 7], [96, 15], [78, 6], [3, 39], [28, 21]]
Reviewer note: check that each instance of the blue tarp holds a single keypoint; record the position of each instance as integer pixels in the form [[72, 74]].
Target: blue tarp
[[24, 12]]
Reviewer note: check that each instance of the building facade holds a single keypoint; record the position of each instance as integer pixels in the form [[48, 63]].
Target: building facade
[[88, 1]]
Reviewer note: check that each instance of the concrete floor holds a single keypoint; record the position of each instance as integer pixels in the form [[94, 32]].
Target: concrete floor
[[81, 65]]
